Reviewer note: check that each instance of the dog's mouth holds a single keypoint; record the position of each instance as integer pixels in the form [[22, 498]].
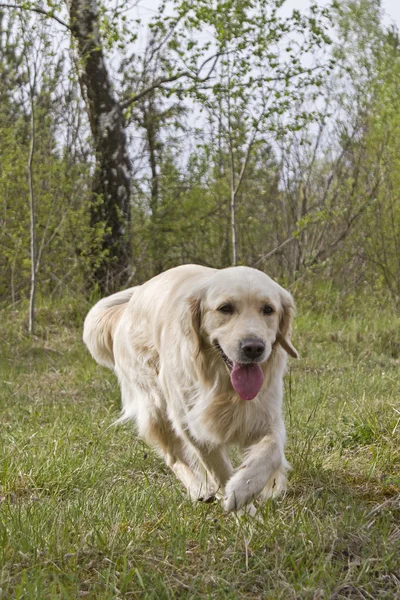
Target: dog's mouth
[[246, 379], [225, 358]]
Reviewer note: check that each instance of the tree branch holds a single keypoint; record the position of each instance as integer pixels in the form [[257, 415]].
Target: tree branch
[[152, 87], [47, 13], [275, 250], [159, 82]]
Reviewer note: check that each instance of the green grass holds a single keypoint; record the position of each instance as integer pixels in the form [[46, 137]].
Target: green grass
[[87, 510]]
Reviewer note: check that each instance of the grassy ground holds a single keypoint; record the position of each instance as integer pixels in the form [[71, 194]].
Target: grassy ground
[[87, 510]]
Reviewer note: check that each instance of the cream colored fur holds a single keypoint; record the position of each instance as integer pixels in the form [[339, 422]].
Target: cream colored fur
[[160, 338]]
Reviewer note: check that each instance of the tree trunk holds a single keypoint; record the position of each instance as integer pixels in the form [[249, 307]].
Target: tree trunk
[[152, 127], [111, 186], [32, 295], [233, 229], [233, 203]]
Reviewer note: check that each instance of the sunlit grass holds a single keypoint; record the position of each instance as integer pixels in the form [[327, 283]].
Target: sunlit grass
[[87, 510]]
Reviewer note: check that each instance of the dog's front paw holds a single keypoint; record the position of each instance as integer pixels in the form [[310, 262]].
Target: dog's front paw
[[241, 489]]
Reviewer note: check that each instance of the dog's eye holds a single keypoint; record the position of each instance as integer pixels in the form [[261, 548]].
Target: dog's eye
[[227, 309], [267, 309]]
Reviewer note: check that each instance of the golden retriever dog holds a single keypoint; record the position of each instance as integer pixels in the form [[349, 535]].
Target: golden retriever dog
[[200, 356]]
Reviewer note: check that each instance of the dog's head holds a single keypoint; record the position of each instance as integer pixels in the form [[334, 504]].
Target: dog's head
[[242, 314]]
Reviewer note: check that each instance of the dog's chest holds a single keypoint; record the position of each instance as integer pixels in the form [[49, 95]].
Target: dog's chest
[[228, 420]]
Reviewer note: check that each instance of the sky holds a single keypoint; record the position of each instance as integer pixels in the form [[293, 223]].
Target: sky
[[392, 10]]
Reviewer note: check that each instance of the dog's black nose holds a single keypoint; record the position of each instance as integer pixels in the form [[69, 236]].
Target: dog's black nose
[[252, 349]]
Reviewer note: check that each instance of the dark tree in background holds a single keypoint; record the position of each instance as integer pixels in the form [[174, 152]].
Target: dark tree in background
[[111, 186]]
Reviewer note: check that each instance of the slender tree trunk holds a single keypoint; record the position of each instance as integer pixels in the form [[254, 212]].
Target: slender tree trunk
[[32, 295], [233, 200], [111, 186], [233, 229]]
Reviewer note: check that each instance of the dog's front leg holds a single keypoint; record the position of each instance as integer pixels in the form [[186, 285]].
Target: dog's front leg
[[218, 464], [215, 462], [205, 472], [264, 466]]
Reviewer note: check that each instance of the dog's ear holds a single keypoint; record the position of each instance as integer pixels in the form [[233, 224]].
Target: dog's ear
[[285, 324], [191, 321]]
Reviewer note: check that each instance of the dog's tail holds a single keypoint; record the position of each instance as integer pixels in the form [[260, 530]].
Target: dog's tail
[[100, 325]]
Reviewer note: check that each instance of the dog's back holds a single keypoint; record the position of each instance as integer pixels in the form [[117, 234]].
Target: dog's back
[[102, 320], [100, 325]]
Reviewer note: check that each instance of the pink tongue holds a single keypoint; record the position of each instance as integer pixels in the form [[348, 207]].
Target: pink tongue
[[247, 380]]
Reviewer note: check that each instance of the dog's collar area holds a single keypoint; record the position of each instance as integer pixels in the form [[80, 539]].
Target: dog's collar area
[[225, 358]]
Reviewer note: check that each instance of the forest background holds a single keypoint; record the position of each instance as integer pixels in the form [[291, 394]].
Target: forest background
[[215, 136]]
